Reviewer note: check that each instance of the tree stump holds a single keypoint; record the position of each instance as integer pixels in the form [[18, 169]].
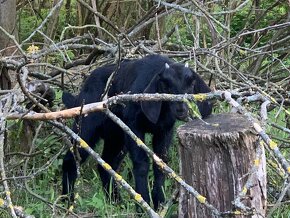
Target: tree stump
[[216, 161]]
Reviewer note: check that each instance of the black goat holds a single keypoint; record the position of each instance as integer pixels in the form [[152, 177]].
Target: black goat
[[151, 74]]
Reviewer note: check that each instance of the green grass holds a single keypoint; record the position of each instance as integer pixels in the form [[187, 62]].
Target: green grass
[[92, 199]]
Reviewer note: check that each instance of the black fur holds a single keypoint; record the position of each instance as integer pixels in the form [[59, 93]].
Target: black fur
[[147, 75]]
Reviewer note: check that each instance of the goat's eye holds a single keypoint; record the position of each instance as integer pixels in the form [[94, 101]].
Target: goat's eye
[[190, 81], [165, 84]]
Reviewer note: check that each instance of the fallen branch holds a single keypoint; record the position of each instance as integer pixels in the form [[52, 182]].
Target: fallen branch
[[103, 105]]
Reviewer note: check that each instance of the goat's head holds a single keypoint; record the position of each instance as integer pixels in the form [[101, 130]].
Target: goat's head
[[172, 79]]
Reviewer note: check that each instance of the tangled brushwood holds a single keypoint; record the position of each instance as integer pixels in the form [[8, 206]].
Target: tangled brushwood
[[118, 77]]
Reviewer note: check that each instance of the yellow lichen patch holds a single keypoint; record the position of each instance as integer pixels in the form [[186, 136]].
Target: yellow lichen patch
[[178, 179], [201, 199], [273, 164], [281, 173], [118, 177], [237, 212], [1, 202], [257, 162], [106, 166], [173, 175], [288, 169], [83, 144], [161, 165], [8, 193], [138, 197], [139, 141], [244, 191], [272, 99], [199, 97], [71, 208], [32, 49], [10, 206], [272, 144]]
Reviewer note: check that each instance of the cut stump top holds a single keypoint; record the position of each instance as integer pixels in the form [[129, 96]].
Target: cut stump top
[[220, 124]]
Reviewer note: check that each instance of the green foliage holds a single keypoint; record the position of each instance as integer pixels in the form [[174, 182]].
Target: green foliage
[[276, 180], [59, 57], [29, 21], [193, 109], [184, 33], [4, 214], [241, 20], [44, 184], [282, 211]]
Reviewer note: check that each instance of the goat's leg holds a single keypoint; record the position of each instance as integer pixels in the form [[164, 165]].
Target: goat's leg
[[69, 169], [161, 143], [140, 162], [113, 154]]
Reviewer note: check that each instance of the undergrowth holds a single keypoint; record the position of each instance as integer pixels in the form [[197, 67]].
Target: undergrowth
[[92, 201]]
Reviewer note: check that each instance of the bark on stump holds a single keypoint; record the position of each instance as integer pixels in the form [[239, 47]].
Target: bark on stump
[[216, 161]]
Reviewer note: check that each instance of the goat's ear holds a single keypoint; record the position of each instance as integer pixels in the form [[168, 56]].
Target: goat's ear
[[152, 109], [205, 107], [68, 99], [199, 84]]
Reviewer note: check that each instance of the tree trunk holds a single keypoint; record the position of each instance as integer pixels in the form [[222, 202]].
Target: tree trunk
[[8, 22], [216, 161], [52, 24]]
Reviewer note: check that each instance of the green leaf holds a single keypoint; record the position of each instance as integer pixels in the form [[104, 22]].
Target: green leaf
[[193, 109]]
